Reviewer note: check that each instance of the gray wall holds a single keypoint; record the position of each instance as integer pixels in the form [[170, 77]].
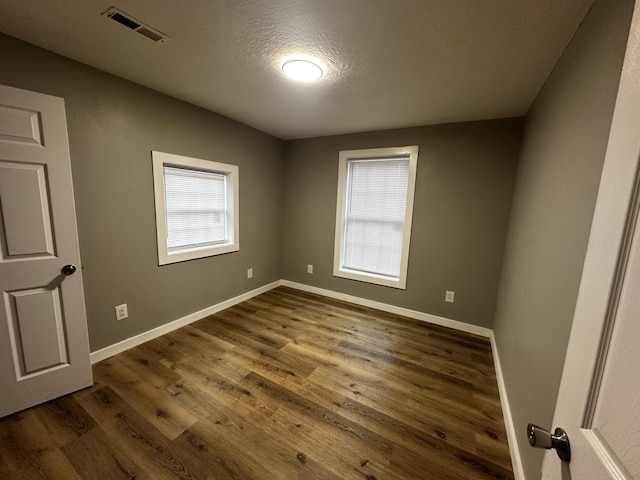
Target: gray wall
[[559, 170], [113, 126], [463, 193]]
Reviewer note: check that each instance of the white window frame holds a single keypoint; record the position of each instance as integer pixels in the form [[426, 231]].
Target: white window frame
[[160, 160], [339, 270]]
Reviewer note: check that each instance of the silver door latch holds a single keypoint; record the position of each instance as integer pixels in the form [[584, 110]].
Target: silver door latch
[[540, 438]]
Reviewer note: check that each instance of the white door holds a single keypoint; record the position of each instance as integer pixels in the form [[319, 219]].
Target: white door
[[44, 347], [599, 401]]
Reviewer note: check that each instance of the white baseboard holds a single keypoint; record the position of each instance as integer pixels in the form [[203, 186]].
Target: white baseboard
[[131, 342], [514, 449], [405, 312]]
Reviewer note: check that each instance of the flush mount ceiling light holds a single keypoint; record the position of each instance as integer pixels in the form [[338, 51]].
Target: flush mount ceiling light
[[303, 68]]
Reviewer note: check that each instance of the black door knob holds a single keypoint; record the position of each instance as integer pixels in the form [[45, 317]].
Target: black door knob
[[559, 440], [69, 270]]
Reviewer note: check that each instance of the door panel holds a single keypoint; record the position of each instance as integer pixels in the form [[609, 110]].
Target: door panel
[[44, 346], [25, 210], [19, 125], [36, 329], [617, 412]]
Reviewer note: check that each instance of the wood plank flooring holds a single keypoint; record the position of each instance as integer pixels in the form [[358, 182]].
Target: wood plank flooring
[[288, 385]]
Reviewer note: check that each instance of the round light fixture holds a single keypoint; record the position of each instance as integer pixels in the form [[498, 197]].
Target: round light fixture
[[303, 69]]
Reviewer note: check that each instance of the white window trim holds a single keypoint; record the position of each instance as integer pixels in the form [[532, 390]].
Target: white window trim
[[160, 160], [338, 269]]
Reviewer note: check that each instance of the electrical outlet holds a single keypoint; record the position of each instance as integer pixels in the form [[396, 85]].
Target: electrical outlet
[[449, 296], [250, 273], [122, 312], [309, 268]]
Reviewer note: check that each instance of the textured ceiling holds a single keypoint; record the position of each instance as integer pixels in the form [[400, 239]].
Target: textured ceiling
[[392, 63]]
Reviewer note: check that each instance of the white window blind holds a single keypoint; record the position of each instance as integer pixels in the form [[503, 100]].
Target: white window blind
[[195, 208], [374, 213], [376, 198]]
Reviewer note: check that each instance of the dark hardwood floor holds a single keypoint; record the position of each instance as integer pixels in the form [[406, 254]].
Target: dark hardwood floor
[[288, 385]]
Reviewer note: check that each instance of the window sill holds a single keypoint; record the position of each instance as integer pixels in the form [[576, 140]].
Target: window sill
[[373, 278], [195, 253]]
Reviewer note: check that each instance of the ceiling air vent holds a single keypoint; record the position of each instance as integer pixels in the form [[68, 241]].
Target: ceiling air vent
[[128, 21]]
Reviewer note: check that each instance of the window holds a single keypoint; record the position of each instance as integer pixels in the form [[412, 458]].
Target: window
[[373, 218], [196, 207]]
